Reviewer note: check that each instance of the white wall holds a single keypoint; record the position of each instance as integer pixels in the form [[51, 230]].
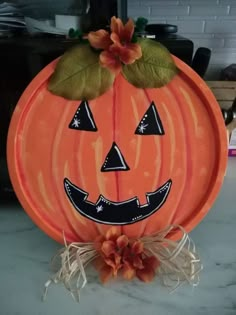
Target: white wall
[[209, 23]]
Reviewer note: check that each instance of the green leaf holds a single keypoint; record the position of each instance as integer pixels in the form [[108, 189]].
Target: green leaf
[[141, 24], [134, 38], [71, 33], [79, 33], [79, 76], [154, 69]]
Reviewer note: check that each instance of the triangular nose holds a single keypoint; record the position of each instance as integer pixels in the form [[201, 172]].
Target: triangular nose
[[114, 160]]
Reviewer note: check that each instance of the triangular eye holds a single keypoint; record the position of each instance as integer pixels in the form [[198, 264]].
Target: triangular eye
[[150, 124], [114, 160], [83, 118]]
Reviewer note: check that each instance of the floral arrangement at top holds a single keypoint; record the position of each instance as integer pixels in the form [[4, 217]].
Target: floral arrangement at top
[[117, 47], [103, 55]]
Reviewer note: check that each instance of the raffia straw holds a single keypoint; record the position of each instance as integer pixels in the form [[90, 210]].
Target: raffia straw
[[74, 257], [179, 261]]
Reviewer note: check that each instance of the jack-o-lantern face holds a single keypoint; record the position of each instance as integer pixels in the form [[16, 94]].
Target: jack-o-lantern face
[[118, 158], [124, 211]]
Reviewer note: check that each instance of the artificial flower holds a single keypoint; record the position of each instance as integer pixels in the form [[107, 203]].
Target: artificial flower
[[137, 263], [119, 254], [111, 61], [120, 32], [117, 46], [100, 39], [110, 248]]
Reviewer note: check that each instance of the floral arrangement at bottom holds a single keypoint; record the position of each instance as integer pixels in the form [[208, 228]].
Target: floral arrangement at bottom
[[115, 254], [121, 255]]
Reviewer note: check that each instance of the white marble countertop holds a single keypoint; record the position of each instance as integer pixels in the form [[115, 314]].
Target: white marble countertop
[[24, 268]]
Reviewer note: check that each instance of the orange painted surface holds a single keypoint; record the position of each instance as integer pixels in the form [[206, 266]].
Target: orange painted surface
[[42, 151]]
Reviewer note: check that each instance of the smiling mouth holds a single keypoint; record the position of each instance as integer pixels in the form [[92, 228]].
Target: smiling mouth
[[116, 213]]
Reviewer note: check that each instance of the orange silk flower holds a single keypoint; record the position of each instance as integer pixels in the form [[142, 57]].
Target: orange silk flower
[[118, 253], [117, 46]]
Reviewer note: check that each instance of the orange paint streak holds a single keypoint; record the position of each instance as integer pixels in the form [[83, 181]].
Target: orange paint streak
[[35, 155], [198, 126], [44, 194], [58, 154], [138, 140], [172, 136], [173, 166]]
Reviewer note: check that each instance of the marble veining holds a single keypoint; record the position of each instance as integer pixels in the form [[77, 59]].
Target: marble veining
[[24, 268]]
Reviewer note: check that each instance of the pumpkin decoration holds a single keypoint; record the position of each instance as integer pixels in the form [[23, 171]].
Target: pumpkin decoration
[[114, 153], [126, 151]]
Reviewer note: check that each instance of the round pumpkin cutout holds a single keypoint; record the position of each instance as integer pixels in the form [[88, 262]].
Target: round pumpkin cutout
[[141, 159]]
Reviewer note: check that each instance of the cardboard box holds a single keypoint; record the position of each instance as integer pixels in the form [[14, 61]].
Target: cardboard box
[[232, 143], [225, 94]]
